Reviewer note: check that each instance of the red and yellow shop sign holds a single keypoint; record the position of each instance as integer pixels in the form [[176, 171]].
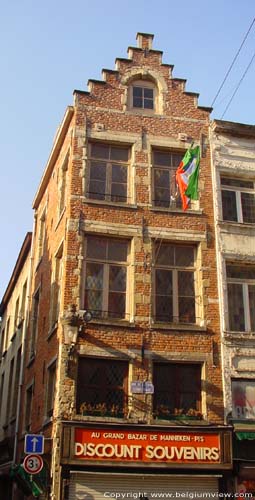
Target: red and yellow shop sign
[[147, 446]]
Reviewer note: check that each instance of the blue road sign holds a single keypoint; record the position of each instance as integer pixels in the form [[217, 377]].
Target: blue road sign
[[34, 443]]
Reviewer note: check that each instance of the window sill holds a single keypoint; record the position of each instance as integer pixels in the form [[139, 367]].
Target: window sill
[[118, 204], [52, 330], [176, 210], [241, 225], [240, 335], [143, 111], [60, 218], [113, 322], [178, 326]]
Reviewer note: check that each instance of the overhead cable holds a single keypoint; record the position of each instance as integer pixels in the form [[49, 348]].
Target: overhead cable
[[233, 62], [238, 85]]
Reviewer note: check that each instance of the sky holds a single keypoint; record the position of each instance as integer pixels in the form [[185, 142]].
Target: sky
[[50, 48]]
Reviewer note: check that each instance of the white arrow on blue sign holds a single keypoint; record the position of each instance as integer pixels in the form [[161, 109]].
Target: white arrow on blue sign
[[34, 443]]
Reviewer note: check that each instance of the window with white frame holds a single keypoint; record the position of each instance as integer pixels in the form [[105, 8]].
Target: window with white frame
[[108, 172], [238, 200], [243, 399], [241, 297], [143, 95], [51, 385], [175, 299], [106, 277], [166, 193]]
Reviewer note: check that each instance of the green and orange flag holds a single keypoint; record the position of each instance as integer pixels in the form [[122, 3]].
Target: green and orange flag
[[187, 176]]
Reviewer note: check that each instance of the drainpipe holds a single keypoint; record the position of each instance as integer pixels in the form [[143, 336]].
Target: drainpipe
[[23, 342]]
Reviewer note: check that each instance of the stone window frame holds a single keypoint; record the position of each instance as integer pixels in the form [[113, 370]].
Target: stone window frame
[[8, 408], [143, 84], [203, 359], [28, 406], [148, 77], [199, 317], [62, 185], [16, 382], [238, 191], [34, 322], [127, 264], [171, 206], [117, 144], [194, 413], [7, 334], [244, 283], [22, 311], [41, 237], [103, 360], [57, 275], [51, 370]]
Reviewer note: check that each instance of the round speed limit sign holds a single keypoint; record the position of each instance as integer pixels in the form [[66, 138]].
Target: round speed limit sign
[[33, 464]]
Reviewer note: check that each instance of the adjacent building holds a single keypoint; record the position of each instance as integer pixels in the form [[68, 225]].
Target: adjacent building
[[13, 309], [233, 163]]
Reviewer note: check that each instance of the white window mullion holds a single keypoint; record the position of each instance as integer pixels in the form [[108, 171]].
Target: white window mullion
[[106, 288], [247, 318], [108, 181], [175, 296], [239, 206]]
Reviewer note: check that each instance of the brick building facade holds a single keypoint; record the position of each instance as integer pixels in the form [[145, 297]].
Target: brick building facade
[[123, 370]]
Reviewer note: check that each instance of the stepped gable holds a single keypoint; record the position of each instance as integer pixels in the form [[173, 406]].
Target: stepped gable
[[143, 63]]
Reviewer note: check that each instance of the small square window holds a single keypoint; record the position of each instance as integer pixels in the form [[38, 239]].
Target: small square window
[[102, 387], [143, 97], [177, 390]]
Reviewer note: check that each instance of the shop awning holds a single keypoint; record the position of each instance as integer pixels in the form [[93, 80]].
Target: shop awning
[[245, 435]]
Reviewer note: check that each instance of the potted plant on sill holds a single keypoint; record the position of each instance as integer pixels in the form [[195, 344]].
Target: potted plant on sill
[[163, 412], [101, 410]]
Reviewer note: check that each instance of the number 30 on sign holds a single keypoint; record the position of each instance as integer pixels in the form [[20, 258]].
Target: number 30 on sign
[[33, 464]]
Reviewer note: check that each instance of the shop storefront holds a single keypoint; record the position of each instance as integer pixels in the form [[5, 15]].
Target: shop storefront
[[244, 462], [121, 462]]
